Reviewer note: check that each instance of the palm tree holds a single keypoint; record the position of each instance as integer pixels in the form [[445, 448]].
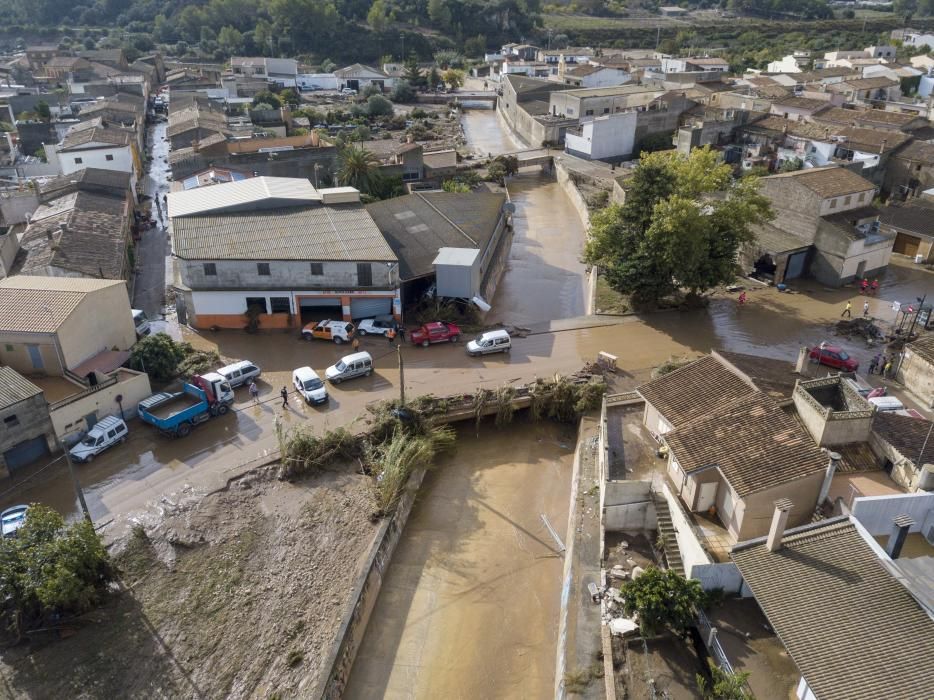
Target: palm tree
[[358, 167]]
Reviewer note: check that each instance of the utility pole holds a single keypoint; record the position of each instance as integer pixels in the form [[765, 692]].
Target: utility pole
[[917, 313], [79, 492], [401, 377]]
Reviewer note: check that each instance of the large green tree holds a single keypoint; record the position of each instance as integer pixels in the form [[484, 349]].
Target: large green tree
[[51, 569], [681, 226], [663, 600]]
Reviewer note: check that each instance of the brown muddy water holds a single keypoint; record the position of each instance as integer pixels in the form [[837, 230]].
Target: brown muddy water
[[469, 607]]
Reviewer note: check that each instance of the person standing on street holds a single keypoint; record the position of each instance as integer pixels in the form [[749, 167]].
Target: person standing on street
[[742, 298], [865, 309], [847, 311], [874, 363], [874, 287], [355, 344], [391, 335], [285, 397], [401, 334], [254, 392], [864, 286], [887, 370]]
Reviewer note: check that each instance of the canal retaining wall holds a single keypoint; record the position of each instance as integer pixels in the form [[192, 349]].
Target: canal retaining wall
[[365, 590], [563, 175]]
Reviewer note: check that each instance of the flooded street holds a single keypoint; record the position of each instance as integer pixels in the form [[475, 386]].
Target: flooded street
[[544, 277], [486, 133], [469, 607], [153, 250]]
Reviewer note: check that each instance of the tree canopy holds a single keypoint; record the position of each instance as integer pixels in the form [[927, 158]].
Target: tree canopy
[[663, 600], [681, 226]]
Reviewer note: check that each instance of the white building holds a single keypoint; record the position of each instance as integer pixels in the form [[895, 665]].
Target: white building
[[358, 76], [607, 137], [590, 76], [281, 71], [917, 40], [94, 144], [792, 63]]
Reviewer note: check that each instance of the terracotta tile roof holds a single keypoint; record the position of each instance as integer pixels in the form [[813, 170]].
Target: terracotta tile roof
[[801, 103], [79, 139], [830, 181], [694, 390], [905, 434], [852, 629], [868, 117], [916, 217], [775, 377], [863, 84], [755, 444], [919, 150], [924, 346], [42, 304]]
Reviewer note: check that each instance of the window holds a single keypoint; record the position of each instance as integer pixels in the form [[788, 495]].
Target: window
[[364, 275], [257, 302], [317, 269], [588, 113], [10, 421], [210, 269], [918, 168], [606, 110], [9, 348], [847, 200], [833, 203], [109, 156], [262, 269], [280, 305], [78, 161], [862, 197]]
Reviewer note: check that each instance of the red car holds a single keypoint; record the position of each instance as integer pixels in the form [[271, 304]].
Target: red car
[[436, 332], [834, 356]]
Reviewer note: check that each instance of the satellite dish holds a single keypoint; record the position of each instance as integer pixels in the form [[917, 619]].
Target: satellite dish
[[509, 208]]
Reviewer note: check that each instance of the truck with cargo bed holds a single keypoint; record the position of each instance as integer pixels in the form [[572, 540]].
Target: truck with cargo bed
[[176, 413]]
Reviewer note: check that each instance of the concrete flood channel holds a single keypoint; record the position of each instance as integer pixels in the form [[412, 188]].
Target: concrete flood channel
[[469, 608]]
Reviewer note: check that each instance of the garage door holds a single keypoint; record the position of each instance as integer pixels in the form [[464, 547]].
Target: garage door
[[26, 453], [368, 308], [906, 245], [314, 302], [795, 267]]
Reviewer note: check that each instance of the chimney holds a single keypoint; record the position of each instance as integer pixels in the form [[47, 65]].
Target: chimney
[[779, 520], [802, 360], [882, 146], [828, 477], [900, 527]]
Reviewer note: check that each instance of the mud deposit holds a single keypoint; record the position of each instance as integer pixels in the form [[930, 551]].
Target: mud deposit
[[232, 595], [469, 608]]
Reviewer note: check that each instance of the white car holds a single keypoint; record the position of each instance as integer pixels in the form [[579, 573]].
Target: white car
[[309, 385], [13, 519], [106, 432], [376, 326]]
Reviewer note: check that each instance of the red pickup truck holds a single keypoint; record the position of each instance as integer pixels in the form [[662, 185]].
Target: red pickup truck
[[436, 332]]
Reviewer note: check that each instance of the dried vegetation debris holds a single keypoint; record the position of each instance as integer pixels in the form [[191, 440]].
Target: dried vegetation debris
[[235, 594]]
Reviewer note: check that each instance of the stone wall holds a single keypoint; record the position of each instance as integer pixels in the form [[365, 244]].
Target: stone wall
[[917, 375], [31, 418]]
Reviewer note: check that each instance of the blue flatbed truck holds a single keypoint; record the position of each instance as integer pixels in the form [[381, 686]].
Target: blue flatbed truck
[[176, 413]]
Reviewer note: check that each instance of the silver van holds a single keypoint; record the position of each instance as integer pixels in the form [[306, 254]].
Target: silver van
[[359, 364], [239, 373], [106, 432], [489, 342]]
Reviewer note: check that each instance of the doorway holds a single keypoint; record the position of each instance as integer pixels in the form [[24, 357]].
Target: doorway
[[35, 356]]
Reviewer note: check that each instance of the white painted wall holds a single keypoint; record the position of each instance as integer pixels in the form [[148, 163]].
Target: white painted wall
[[926, 86], [788, 64], [122, 160], [608, 77], [692, 551], [875, 256], [876, 513], [234, 302], [606, 136], [325, 81]]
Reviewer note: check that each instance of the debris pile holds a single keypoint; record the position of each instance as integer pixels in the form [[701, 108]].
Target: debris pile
[[860, 327]]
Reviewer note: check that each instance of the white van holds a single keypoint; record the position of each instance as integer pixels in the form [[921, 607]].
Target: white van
[[359, 364], [491, 341], [239, 373], [141, 323], [886, 403], [309, 385], [105, 433]]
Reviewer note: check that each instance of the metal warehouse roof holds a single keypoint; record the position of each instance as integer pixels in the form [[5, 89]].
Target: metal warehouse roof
[[318, 232], [14, 387], [42, 304], [250, 194]]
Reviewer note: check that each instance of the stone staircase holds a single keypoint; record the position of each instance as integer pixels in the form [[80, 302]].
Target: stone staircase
[[666, 533]]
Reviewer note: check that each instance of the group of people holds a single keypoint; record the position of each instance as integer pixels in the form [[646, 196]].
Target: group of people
[[848, 309], [881, 364], [866, 288]]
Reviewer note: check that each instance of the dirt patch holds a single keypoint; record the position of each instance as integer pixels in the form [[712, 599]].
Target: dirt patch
[[235, 594], [658, 668]]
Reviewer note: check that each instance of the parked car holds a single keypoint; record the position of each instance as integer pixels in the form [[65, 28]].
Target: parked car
[[490, 342], [107, 432], [12, 519], [309, 385], [338, 331], [833, 356], [239, 373], [359, 364], [886, 404], [348, 91], [376, 326], [141, 322], [435, 332]]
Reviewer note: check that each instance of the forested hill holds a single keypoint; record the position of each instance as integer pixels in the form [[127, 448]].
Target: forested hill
[[338, 29]]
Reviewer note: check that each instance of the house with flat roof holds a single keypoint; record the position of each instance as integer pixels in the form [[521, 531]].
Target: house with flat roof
[[853, 623], [279, 71], [279, 248]]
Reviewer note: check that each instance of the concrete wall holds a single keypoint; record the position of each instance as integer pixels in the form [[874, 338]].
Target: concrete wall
[[9, 247], [102, 321], [917, 375], [283, 274], [123, 161], [68, 415], [829, 427], [722, 575], [606, 137], [628, 505], [340, 657], [903, 472], [697, 564], [761, 506], [656, 423], [876, 513], [16, 206], [32, 420]]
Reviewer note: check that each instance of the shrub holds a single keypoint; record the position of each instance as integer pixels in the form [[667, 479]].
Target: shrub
[[402, 92], [662, 599], [378, 106]]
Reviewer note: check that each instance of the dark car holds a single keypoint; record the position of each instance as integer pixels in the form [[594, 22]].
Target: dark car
[[435, 332], [833, 356]]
